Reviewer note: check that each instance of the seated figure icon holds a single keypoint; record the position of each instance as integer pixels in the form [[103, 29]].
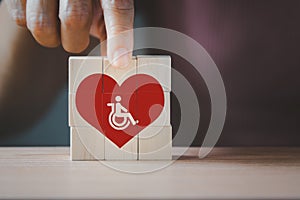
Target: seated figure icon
[[119, 111]]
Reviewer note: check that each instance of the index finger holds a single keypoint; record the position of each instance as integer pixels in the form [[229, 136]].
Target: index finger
[[118, 17]]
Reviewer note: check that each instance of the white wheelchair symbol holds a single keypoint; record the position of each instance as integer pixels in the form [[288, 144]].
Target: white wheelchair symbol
[[118, 111]]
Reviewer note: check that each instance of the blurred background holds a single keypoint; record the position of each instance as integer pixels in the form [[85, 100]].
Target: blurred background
[[255, 45]]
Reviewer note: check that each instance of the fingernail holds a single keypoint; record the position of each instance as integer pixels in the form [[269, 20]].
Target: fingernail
[[121, 58]]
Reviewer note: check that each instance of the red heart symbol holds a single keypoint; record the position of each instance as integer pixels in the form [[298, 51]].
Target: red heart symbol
[[120, 112]]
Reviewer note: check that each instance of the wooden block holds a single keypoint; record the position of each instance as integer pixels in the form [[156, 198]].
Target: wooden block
[[75, 119], [164, 119], [86, 144], [128, 152], [158, 67], [155, 143], [118, 74], [81, 67]]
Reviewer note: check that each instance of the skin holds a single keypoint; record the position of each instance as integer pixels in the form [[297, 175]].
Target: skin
[[31, 75], [70, 23]]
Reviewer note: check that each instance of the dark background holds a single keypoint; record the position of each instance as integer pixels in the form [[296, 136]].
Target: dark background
[[255, 45]]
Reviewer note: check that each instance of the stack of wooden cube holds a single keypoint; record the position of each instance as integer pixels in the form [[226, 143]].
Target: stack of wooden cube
[[154, 142]]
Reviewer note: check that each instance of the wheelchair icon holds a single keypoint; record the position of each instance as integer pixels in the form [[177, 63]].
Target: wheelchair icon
[[118, 111]]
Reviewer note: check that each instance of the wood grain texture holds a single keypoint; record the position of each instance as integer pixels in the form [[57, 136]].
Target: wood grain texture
[[227, 173], [74, 117], [164, 119], [118, 74], [86, 144], [128, 152], [81, 67], [155, 143], [158, 67]]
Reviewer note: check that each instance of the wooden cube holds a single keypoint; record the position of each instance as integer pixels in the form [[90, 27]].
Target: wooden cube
[[81, 67], [158, 67], [128, 152], [118, 74], [155, 143], [164, 119], [75, 119], [86, 144]]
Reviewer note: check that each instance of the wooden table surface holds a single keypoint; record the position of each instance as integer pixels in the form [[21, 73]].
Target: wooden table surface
[[227, 173]]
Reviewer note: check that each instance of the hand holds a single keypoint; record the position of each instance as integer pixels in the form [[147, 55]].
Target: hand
[[70, 22]]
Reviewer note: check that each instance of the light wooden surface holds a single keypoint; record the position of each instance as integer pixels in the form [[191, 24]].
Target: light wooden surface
[[228, 173]]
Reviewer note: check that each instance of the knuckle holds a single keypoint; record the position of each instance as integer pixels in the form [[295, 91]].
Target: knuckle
[[118, 28], [18, 17], [75, 18], [40, 25], [118, 4]]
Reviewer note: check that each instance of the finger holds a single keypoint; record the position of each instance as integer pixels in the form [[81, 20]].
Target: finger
[[98, 26], [76, 19], [17, 10], [118, 17], [42, 21], [100, 33]]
